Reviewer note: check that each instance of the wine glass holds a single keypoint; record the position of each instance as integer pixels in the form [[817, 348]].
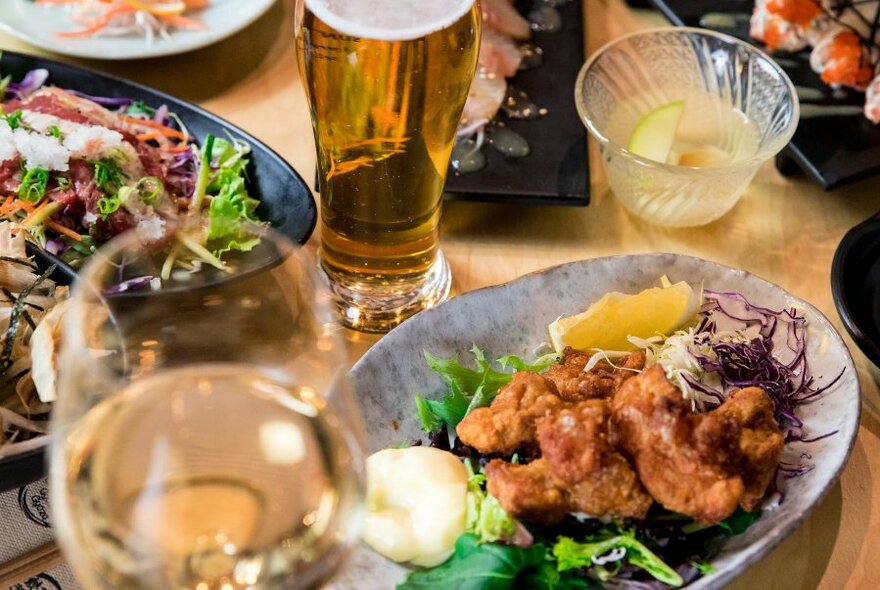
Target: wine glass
[[205, 436]]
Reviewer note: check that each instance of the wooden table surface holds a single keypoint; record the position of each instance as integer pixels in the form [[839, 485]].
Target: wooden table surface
[[784, 229]]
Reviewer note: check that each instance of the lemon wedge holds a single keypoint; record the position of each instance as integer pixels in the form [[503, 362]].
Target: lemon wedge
[[654, 134], [610, 320]]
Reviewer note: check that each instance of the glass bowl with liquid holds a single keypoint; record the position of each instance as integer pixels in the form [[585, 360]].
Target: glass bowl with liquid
[[684, 118]]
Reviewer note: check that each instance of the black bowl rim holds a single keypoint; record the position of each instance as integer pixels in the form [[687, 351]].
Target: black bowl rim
[[839, 266]]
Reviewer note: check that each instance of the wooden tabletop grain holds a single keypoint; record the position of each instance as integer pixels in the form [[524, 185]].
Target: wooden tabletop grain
[[784, 229]]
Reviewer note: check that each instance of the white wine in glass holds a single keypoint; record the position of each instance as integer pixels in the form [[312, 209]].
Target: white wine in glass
[[205, 436]]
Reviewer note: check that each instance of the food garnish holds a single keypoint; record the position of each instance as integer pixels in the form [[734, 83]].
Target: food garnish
[[415, 504], [654, 134], [609, 322], [628, 465]]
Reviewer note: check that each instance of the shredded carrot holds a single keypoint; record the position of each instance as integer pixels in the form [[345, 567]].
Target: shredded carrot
[[175, 149], [148, 136], [166, 131], [17, 205], [97, 24], [63, 230], [182, 21], [35, 212], [6, 202]]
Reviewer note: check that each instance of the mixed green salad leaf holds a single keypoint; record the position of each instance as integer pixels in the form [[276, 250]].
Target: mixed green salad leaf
[[470, 388]]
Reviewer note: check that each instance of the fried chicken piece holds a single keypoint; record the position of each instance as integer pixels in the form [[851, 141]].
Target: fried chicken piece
[[613, 490], [532, 492], [600, 381], [527, 491], [508, 424], [574, 440], [687, 461], [578, 471], [761, 440]]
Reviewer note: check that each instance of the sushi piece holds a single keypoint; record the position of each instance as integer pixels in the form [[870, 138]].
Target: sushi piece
[[842, 34], [841, 59], [872, 101]]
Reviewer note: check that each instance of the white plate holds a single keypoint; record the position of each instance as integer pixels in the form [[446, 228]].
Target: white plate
[[37, 24], [513, 319]]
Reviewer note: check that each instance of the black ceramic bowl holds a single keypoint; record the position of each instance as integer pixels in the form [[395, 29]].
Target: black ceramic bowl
[[285, 200], [855, 285]]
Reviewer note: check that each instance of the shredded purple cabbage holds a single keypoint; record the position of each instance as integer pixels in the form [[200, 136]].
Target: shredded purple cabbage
[[161, 116], [784, 374], [775, 360], [183, 172], [135, 284], [31, 82], [55, 246], [106, 101]]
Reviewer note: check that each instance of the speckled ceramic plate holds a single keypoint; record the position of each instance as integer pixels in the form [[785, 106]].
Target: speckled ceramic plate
[[513, 318], [37, 24]]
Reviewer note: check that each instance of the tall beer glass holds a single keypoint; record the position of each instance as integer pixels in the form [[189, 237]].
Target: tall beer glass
[[386, 81]]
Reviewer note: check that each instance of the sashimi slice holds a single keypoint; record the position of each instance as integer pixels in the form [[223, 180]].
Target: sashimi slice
[[502, 16], [485, 97], [499, 54]]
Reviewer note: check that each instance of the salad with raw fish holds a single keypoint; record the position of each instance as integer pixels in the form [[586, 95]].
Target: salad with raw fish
[[76, 170], [658, 426]]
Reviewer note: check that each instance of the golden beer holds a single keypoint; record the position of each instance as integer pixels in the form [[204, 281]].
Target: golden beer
[[386, 82]]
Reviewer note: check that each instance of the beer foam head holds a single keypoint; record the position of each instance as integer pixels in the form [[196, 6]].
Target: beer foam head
[[389, 20]]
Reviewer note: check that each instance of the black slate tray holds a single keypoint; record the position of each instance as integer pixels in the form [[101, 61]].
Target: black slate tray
[[833, 150], [855, 285], [555, 172]]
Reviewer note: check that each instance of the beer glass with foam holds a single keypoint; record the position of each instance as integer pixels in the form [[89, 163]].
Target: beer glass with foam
[[386, 82]]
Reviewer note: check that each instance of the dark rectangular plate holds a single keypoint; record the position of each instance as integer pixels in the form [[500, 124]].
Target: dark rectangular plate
[[555, 172], [833, 150]]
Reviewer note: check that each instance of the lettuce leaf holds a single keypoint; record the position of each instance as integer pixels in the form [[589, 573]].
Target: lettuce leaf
[[485, 517], [469, 388], [572, 555], [222, 177], [478, 566]]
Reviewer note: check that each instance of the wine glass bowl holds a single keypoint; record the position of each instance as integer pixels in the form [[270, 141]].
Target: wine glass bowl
[[205, 436]]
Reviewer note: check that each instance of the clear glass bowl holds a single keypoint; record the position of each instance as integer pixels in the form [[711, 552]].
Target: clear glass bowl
[[712, 73]]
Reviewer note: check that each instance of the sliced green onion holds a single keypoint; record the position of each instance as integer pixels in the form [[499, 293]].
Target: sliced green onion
[[108, 205], [108, 175], [13, 119], [204, 175], [150, 188], [33, 184], [55, 132]]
